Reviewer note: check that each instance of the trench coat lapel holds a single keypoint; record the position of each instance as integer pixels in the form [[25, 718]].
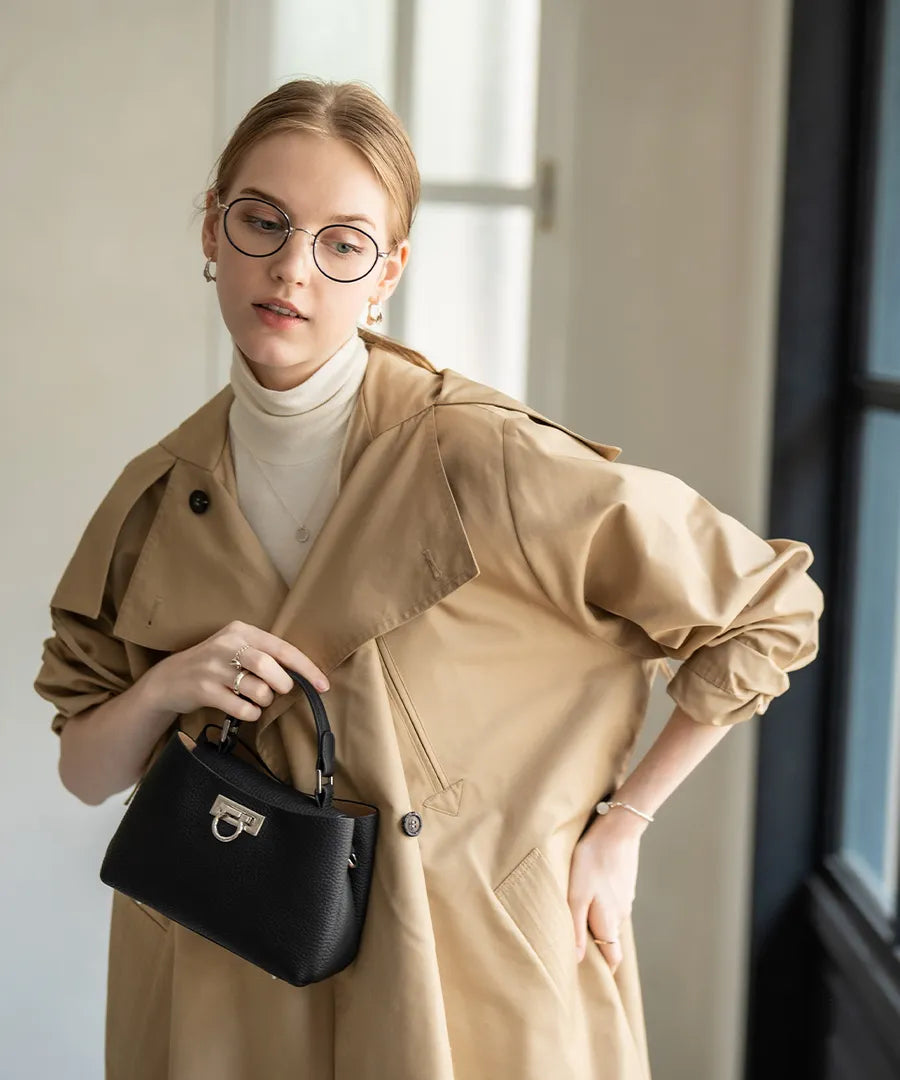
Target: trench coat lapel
[[393, 544], [198, 571]]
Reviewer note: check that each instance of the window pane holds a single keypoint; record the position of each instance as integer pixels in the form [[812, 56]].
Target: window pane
[[474, 90], [884, 312], [467, 291], [872, 763], [334, 41]]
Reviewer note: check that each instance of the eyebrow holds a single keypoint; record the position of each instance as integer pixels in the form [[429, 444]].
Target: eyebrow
[[339, 218]]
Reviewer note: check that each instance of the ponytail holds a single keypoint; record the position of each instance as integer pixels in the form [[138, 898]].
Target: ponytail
[[391, 345]]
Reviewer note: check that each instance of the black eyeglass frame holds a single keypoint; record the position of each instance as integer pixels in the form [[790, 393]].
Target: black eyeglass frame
[[291, 229]]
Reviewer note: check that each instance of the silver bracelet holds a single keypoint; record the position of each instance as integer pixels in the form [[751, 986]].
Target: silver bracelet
[[604, 807]]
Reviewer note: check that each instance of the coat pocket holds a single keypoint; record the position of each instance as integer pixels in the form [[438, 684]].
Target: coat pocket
[[404, 707], [533, 900]]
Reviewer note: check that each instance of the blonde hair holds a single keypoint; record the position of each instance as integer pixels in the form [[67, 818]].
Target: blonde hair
[[344, 110]]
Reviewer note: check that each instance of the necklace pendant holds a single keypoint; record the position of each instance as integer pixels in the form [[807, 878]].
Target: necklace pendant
[[302, 534]]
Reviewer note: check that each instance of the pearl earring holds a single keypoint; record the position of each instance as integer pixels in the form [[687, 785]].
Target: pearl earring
[[206, 273], [375, 314]]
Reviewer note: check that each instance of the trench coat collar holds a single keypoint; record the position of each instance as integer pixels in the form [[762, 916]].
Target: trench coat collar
[[392, 390], [393, 545]]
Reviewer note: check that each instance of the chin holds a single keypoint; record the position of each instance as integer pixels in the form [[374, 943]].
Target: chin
[[268, 353]]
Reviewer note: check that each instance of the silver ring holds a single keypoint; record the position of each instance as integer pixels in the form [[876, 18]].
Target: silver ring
[[235, 661], [237, 680]]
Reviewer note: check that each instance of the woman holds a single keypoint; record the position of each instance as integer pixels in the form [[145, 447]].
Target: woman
[[485, 596]]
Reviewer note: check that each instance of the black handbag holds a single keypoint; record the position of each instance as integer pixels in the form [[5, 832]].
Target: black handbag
[[278, 876]]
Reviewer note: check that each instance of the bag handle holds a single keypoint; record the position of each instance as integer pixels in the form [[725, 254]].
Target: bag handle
[[247, 747], [324, 738]]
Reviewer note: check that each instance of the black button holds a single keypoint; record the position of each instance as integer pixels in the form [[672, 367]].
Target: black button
[[411, 823], [199, 501]]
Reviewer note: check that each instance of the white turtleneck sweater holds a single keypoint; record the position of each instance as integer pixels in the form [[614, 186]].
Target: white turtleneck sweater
[[287, 446]]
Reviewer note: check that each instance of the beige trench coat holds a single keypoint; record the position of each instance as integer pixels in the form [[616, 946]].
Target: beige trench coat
[[491, 597]]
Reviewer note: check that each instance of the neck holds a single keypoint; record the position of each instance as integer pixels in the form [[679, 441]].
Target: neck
[[300, 423], [285, 378]]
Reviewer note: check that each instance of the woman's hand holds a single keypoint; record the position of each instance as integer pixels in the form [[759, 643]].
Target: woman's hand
[[602, 881], [202, 675]]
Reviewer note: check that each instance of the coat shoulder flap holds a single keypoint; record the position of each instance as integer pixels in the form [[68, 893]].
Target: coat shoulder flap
[[457, 389], [81, 586]]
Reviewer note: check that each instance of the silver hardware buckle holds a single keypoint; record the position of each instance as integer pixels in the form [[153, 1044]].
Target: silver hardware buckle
[[233, 813], [319, 779]]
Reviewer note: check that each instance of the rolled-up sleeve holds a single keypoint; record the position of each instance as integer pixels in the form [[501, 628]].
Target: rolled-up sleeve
[[738, 611], [83, 665]]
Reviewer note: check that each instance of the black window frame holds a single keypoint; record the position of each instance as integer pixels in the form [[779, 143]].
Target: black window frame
[[818, 946]]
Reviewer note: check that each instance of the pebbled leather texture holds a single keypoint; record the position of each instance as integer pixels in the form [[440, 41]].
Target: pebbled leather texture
[[285, 900]]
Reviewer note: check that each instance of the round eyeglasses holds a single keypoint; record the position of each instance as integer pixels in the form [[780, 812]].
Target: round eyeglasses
[[258, 228]]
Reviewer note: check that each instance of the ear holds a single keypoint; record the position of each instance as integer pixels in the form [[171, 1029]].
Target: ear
[[209, 232], [392, 272]]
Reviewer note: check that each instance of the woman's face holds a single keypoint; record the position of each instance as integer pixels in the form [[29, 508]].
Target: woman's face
[[315, 180]]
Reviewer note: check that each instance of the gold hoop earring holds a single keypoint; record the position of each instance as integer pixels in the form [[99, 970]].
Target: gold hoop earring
[[375, 314], [206, 273]]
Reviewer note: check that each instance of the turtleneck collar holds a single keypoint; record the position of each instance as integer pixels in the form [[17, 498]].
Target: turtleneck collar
[[289, 427]]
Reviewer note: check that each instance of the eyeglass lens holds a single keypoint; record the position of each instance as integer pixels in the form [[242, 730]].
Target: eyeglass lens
[[340, 251]]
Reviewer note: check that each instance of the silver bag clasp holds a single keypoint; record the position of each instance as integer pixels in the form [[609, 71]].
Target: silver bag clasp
[[233, 813]]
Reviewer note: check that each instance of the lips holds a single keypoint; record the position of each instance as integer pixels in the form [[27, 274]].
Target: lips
[[280, 324], [295, 315]]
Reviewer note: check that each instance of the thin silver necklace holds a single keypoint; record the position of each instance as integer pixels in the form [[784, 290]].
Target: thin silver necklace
[[302, 533]]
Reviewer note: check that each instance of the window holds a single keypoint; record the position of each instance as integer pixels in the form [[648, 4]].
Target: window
[[825, 953], [490, 230], [870, 802], [467, 91]]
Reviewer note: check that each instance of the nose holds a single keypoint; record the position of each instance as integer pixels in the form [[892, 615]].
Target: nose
[[294, 260]]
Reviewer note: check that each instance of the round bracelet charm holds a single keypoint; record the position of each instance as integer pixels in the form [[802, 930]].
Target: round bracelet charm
[[604, 806]]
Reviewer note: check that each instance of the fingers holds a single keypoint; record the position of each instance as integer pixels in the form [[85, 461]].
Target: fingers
[[579, 909], [251, 686], [270, 655], [221, 697], [263, 658], [203, 675], [591, 922], [604, 930], [264, 679]]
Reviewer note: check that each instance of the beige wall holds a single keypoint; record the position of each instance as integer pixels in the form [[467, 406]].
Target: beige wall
[[111, 116], [671, 325], [106, 127]]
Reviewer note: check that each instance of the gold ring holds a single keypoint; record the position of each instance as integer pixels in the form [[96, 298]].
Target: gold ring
[[237, 680], [235, 661], [598, 941]]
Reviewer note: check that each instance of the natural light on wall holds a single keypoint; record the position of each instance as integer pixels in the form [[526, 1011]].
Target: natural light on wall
[[472, 120], [335, 41], [463, 77]]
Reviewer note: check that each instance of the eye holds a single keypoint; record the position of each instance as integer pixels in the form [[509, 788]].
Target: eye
[[264, 225]]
